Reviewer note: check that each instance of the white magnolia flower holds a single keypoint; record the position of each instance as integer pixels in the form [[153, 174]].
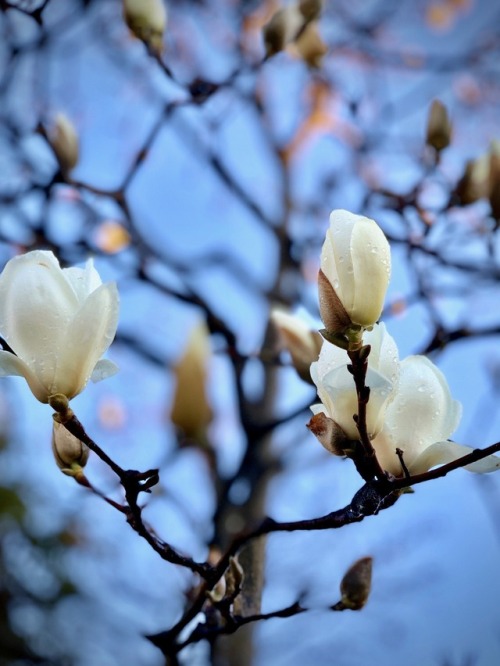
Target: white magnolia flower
[[58, 322], [336, 388], [419, 420], [355, 271]]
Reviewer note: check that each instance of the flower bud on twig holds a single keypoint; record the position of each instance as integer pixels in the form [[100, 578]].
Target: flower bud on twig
[[69, 452], [191, 411], [63, 140], [282, 29], [439, 126], [147, 20], [310, 9], [356, 585], [328, 433], [355, 272], [494, 180], [310, 46]]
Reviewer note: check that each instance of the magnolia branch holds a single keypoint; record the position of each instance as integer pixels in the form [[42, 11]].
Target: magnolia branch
[[369, 467], [133, 483]]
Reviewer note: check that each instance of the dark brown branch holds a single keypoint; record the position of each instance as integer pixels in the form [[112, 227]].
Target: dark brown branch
[[134, 483], [369, 466]]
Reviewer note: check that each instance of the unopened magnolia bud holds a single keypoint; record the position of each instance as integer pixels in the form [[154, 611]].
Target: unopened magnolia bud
[[191, 411], [296, 337], [356, 585], [310, 9], [439, 126], [64, 142], [328, 433], [473, 185], [355, 272], [310, 46], [494, 180], [147, 19], [282, 29], [69, 452]]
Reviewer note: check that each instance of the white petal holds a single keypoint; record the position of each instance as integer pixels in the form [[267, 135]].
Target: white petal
[[339, 386], [103, 369], [421, 413], [445, 452], [329, 266], [381, 390], [83, 280], [384, 355], [322, 393], [372, 271], [317, 408], [342, 224], [87, 338], [12, 365], [36, 304]]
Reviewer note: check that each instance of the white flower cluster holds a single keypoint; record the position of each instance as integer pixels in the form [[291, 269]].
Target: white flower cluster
[[410, 406]]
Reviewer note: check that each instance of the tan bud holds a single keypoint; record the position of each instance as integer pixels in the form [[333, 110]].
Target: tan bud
[[64, 142], [282, 29], [147, 20], [191, 411], [494, 179], [439, 126], [356, 585], [473, 185], [310, 9], [328, 433], [310, 47], [69, 452]]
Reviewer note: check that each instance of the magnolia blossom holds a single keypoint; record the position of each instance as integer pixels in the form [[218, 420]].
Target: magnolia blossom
[[58, 322], [355, 271], [336, 388], [419, 420]]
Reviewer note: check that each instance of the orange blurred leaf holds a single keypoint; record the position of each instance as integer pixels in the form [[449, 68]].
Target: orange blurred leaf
[[111, 237], [321, 119]]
